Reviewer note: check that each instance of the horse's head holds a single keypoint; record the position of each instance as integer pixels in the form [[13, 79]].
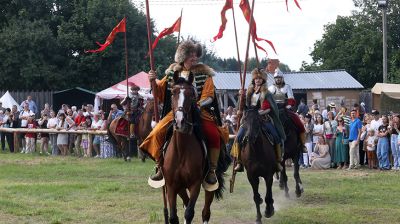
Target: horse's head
[[252, 122], [183, 98]]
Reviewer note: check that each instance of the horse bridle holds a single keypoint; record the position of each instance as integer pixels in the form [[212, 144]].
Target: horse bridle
[[182, 109]]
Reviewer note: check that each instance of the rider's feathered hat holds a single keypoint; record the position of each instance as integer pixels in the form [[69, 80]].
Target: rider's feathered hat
[[185, 49], [259, 73]]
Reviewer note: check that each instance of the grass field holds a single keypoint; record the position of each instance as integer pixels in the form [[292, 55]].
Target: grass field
[[45, 189]]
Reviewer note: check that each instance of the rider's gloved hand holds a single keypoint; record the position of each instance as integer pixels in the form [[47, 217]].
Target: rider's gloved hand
[[288, 106]]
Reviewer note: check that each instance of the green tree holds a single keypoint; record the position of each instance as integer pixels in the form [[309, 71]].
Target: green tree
[[354, 43]]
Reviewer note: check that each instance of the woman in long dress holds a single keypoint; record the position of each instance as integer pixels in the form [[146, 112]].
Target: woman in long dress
[[62, 139], [321, 158], [340, 148]]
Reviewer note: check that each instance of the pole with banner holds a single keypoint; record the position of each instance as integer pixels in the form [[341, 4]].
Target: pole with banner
[[153, 86], [241, 100]]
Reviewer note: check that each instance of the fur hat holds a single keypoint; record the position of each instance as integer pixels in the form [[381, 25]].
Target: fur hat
[[185, 49], [258, 73]]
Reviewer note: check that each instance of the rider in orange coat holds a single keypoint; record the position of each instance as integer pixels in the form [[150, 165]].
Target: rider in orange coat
[[186, 58]]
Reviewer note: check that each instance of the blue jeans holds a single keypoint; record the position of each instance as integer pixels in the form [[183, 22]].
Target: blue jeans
[[395, 150], [268, 126], [382, 151]]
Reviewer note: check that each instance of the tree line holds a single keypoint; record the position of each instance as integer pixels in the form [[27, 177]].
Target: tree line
[[43, 42], [354, 43]]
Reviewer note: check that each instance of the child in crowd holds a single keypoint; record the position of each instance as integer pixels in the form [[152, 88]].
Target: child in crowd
[[371, 140], [30, 137], [85, 138], [44, 137]]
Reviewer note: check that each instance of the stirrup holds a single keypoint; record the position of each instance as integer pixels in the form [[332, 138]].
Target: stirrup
[[210, 187], [156, 183], [239, 167]]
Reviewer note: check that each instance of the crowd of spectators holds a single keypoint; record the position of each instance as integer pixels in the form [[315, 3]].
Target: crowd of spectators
[[343, 138], [65, 118]]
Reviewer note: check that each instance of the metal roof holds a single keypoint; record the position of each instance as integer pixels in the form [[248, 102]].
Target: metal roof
[[333, 79]]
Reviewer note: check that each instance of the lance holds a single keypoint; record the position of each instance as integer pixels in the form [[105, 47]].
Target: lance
[[243, 82], [179, 33], [153, 86]]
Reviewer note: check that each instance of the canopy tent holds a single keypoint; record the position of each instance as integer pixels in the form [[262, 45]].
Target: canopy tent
[[118, 91], [8, 101]]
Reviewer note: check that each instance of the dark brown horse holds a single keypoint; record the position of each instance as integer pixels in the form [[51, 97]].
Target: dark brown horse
[[293, 150], [185, 159], [258, 158], [144, 126]]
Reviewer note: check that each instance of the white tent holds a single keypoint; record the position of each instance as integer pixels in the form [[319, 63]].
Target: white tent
[[8, 101]]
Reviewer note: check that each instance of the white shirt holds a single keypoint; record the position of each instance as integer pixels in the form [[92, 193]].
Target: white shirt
[[52, 122], [375, 125], [97, 125], [371, 140], [26, 114], [319, 128], [254, 98]]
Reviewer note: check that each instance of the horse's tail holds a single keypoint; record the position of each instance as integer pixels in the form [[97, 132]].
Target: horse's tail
[[111, 137], [223, 163]]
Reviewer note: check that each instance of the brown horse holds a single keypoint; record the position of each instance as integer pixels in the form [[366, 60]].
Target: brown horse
[[185, 160], [293, 150], [259, 160], [121, 142], [143, 130]]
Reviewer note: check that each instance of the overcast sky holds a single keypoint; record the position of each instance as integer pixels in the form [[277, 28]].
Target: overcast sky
[[293, 33]]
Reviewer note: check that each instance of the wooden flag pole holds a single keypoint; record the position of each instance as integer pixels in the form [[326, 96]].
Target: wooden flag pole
[[153, 86], [241, 100], [126, 63], [237, 46], [179, 33]]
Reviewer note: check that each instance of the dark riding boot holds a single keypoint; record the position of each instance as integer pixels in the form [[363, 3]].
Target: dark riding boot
[[302, 136], [211, 177], [278, 156], [158, 175], [239, 165]]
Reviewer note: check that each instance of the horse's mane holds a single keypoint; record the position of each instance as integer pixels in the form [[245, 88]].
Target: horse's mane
[[252, 124]]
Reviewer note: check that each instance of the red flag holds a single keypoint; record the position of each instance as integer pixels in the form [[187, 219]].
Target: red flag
[[245, 7], [228, 5], [120, 28], [295, 1], [176, 27]]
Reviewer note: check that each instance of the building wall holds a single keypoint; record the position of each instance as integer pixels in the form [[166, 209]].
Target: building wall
[[324, 97]]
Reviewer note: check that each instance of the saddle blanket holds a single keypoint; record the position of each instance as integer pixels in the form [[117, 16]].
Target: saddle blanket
[[122, 127]]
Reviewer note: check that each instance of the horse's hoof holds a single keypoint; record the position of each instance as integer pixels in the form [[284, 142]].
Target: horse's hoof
[[143, 160], [128, 159], [287, 195], [269, 214], [258, 222]]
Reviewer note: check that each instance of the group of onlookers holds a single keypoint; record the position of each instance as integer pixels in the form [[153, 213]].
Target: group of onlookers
[[346, 139], [66, 118]]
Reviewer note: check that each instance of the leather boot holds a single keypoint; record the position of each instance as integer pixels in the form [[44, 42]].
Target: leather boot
[[239, 165], [132, 130], [278, 156], [211, 177], [158, 175], [302, 136]]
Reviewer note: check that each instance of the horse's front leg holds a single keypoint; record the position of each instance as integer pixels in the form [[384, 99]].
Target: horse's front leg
[[206, 213], [194, 194], [269, 201], [284, 179], [254, 181], [296, 175], [185, 197], [173, 216]]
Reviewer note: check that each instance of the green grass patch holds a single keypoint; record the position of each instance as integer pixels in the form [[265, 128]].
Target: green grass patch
[[47, 189]]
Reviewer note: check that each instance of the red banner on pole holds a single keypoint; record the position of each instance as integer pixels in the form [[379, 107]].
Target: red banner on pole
[[176, 27], [296, 2], [245, 7], [228, 5], [120, 28]]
